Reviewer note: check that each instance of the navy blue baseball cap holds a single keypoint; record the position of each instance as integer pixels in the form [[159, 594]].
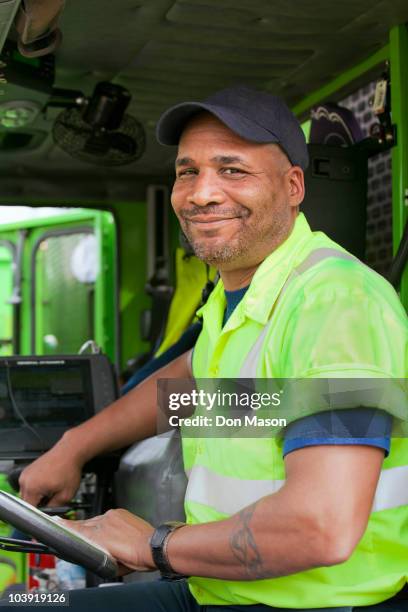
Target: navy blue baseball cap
[[254, 115]]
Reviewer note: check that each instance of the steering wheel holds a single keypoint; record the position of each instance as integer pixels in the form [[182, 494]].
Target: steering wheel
[[60, 540]]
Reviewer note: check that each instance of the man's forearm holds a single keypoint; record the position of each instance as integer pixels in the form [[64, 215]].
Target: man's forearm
[[250, 546], [316, 519], [131, 418]]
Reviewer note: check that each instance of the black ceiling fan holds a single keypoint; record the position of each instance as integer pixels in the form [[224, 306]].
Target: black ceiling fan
[[97, 130]]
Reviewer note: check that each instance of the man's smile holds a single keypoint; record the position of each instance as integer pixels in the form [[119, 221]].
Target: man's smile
[[203, 220]]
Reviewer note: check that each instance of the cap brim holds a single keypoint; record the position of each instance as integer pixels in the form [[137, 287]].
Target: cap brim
[[173, 121]]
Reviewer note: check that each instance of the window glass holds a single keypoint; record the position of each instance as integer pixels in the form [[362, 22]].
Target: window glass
[[66, 268]]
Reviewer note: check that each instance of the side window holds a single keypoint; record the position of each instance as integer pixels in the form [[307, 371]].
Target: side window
[[66, 266], [6, 292]]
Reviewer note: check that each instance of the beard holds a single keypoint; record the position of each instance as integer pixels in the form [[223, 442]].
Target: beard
[[218, 253], [265, 231]]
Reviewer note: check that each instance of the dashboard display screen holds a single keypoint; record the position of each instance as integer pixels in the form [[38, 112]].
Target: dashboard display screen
[[58, 394]]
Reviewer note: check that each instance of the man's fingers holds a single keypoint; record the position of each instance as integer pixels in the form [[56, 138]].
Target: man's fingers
[[124, 569], [41, 498], [28, 493], [31, 497], [59, 499]]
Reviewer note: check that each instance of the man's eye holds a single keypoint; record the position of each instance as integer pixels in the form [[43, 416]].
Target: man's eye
[[233, 171], [187, 172]]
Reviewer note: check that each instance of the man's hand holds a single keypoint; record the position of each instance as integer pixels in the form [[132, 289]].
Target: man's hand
[[125, 536], [56, 476]]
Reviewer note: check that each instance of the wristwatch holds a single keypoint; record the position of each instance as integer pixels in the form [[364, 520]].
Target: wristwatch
[[158, 546]]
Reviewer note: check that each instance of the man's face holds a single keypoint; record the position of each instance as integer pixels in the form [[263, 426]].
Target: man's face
[[232, 197]]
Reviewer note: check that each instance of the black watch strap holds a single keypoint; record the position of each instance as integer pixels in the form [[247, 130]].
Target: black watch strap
[[158, 546]]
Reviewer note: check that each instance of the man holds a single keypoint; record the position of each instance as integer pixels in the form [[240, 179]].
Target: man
[[302, 525]]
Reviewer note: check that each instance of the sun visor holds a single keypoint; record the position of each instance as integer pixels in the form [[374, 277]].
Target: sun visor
[[36, 24]]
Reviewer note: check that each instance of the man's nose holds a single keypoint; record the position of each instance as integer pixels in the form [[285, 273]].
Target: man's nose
[[206, 190]]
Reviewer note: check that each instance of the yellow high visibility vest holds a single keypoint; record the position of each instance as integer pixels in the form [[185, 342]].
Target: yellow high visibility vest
[[332, 318]]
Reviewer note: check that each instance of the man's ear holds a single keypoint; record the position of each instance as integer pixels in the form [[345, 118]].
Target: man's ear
[[295, 185]]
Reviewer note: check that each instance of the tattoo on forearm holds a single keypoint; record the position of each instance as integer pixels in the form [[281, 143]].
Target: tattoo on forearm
[[244, 547]]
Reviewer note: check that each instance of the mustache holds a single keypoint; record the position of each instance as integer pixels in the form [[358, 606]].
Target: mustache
[[213, 210]]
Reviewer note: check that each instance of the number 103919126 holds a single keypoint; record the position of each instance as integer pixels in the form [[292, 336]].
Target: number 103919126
[[60, 598]]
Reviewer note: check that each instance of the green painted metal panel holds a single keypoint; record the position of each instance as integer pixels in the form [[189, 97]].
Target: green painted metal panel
[[306, 125], [14, 565], [71, 216], [106, 286], [131, 222], [399, 104], [6, 309]]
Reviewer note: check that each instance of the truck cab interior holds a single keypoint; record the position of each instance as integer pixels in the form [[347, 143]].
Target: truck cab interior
[[82, 86]]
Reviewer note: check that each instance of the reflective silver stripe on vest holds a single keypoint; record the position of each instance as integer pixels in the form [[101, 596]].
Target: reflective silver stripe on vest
[[250, 366], [225, 493], [392, 489], [228, 495]]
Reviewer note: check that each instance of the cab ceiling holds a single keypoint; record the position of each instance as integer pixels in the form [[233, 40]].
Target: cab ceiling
[[165, 52]]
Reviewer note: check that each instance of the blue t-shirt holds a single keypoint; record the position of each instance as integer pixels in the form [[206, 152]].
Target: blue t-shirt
[[233, 299], [367, 426]]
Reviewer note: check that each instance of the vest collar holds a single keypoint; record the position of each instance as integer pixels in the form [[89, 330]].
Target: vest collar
[[266, 283]]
